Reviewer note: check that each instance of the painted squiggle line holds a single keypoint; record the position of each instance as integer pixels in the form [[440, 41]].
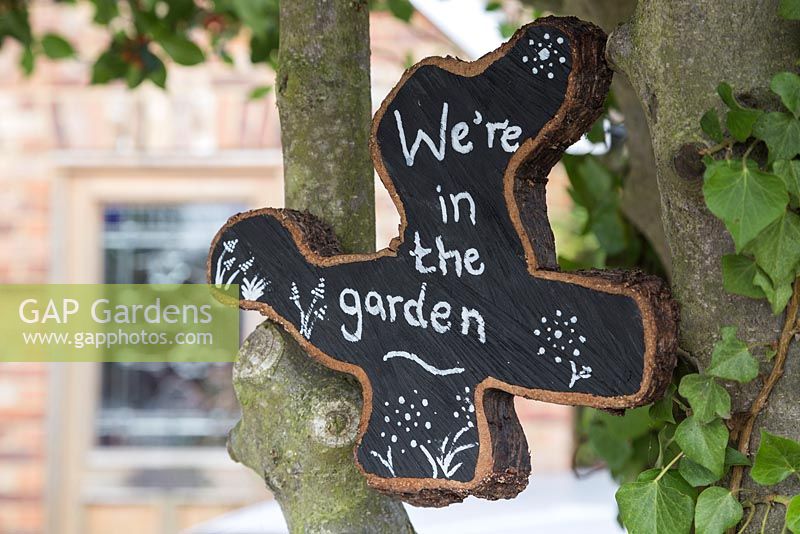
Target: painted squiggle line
[[428, 367]]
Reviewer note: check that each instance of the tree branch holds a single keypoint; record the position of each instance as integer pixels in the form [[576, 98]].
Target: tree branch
[[299, 419]]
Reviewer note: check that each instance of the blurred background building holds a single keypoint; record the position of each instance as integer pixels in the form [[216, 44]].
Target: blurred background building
[[102, 184]]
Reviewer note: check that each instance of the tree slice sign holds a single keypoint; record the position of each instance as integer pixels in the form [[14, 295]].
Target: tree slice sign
[[466, 308]]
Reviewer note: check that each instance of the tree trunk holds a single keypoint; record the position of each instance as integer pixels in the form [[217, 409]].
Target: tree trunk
[[675, 52], [299, 419]]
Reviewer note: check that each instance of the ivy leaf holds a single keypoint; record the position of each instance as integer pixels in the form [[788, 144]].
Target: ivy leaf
[[56, 47], [402, 9], [787, 86], [707, 398], [182, 50], [614, 449], [793, 515], [740, 120], [776, 459], [672, 478], [661, 410], [778, 294], [27, 61], [717, 510], [746, 199], [789, 172], [710, 125], [781, 133], [695, 474], [789, 9], [777, 249], [105, 11], [655, 507], [737, 276], [734, 457], [109, 66], [260, 92], [704, 443], [731, 359]]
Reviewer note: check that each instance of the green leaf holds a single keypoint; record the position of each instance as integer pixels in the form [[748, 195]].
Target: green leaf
[[134, 77], [777, 249], [56, 47], [746, 199], [789, 9], [661, 410], [105, 11], [655, 507], [734, 457], [787, 86], [740, 120], [707, 398], [695, 474], [731, 359], [109, 66], [793, 515], [737, 276], [182, 50], [778, 294], [789, 172], [27, 60], [158, 73], [704, 443], [260, 92], [717, 510], [493, 6], [672, 478], [710, 125], [781, 133], [776, 459], [402, 9]]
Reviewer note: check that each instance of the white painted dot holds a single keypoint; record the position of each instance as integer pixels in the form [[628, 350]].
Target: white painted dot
[[544, 319], [466, 390], [416, 424], [418, 414], [557, 359], [470, 424], [386, 403], [428, 425], [402, 451], [562, 59], [408, 429], [398, 423], [547, 36], [394, 438], [536, 71], [413, 443], [455, 414], [397, 411], [537, 332], [401, 400], [458, 397], [549, 329], [383, 434], [386, 419], [541, 351], [530, 41], [424, 402], [463, 409], [583, 339], [524, 59], [560, 40], [576, 352], [544, 54], [558, 334], [415, 391], [411, 406], [573, 319], [408, 417], [471, 408], [550, 75], [558, 313]]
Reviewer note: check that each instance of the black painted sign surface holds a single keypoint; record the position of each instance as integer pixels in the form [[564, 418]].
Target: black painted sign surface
[[466, 308]]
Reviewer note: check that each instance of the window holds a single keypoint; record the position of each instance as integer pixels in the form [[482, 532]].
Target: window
[[163, 404]]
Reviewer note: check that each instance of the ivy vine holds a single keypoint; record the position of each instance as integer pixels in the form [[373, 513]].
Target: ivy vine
[[681, 461]]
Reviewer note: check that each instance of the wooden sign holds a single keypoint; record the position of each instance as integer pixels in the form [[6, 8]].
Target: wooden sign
[[466, 308]]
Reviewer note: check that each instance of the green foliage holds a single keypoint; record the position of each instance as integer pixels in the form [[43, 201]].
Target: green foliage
[[731, 359], [739, 120], [738, 273], [707, 399], [704, 443], [56, 47], [777, 458], [657, 505], [745, 198], [260, 92], [716, 511], [793, 515], [789, 9], [781, 133], [711, 126]]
